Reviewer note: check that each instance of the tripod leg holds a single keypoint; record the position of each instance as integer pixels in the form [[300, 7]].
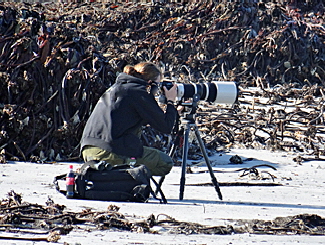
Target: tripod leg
[[184, 157], [213, 178]]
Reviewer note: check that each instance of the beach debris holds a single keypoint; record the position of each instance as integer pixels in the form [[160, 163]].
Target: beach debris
[[253, 172], [236, 159], [26, 221]]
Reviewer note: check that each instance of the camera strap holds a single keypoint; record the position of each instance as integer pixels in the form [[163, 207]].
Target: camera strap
[[176, 126]]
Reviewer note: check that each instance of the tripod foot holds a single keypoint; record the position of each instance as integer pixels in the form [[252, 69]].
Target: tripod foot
[[216, 186], [182, 187]]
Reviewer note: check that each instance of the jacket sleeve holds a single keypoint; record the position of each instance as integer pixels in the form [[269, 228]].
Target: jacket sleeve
[[152, 114]]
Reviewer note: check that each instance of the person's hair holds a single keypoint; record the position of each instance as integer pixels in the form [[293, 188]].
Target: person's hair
[[144, 70]]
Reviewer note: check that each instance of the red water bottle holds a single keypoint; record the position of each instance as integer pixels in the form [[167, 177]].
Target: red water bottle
[[70, 183]]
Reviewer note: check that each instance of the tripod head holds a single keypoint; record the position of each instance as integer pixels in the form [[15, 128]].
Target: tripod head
[[189, 116]]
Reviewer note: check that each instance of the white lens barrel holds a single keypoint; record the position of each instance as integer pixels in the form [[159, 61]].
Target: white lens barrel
[[217, 92], [226, 92], [180, 91]]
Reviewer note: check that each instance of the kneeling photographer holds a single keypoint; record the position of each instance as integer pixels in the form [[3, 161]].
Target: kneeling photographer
[[112, 132]]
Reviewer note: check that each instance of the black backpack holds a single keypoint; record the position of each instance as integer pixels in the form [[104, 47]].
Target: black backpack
[[101, 181]]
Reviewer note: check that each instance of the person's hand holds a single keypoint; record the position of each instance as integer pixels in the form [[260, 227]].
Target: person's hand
[[171, 93]]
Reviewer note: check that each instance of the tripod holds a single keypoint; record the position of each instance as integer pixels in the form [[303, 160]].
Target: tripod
[[188, 123]]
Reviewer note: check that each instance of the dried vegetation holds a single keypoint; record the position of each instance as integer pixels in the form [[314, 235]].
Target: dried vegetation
[[57, 59], [35, 222]]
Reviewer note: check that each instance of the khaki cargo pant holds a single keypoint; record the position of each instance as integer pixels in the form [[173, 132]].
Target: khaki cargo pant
[[156, 161]]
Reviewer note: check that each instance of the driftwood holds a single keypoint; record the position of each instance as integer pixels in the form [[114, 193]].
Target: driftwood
[[57, 59]]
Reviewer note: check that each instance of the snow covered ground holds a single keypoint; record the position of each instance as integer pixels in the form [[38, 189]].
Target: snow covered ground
[[302, 191]]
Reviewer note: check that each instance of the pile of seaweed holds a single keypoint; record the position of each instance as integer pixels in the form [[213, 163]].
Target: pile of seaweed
[[56, 59], [34, 222]]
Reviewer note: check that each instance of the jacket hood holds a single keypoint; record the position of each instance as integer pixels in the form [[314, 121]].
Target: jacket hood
[[125, 78]]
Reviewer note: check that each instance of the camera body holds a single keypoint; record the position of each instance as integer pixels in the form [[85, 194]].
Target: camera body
[[216, 92], [167, 84]]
